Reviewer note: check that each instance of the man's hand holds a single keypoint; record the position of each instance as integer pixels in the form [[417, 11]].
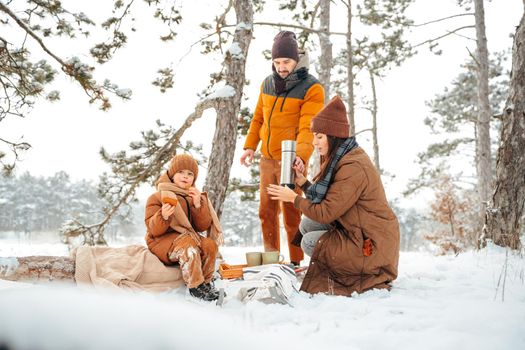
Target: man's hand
[[167, 211], [195, 194], [247, 157]]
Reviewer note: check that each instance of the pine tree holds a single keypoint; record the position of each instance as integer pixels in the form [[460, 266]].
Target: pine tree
[[146, 158], [454, 116], [28, 65]]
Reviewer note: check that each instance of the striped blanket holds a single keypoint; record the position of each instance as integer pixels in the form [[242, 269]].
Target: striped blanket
[[273, 283]]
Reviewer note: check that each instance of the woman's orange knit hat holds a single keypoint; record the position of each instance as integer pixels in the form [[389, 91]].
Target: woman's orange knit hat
[[183, 162]]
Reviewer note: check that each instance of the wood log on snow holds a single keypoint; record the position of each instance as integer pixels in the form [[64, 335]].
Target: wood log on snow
[[38, 269]]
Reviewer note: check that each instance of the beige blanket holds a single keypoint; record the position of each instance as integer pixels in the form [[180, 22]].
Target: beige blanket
[[132, 267]]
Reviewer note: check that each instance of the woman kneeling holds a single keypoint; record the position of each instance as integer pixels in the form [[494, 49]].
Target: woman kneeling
[[348, 228]]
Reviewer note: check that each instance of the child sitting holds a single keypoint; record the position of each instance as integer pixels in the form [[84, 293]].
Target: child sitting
[[175, 216]]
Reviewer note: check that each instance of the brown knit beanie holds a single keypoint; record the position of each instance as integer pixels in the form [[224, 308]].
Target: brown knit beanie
[[285, 46], [332, 119], [183, 162]]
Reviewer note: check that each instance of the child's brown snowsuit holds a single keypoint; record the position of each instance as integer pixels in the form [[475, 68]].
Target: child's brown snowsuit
[[177, 240]]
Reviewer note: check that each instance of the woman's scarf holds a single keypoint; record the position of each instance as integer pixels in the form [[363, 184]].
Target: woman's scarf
[[180, 222], [317, 191]]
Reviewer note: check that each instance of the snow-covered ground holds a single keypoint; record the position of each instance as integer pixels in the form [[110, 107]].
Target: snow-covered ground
[[475, 300]]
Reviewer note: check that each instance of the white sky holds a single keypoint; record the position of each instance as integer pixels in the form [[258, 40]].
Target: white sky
[[67, 135]]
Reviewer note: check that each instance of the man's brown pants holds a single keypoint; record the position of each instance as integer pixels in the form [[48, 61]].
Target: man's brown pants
[[270, 173]]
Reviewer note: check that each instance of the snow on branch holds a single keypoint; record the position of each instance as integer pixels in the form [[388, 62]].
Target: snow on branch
[[73, 67], [227, 91], [235, 51], [244, 26]]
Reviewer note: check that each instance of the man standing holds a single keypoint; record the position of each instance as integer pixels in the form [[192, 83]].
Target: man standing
[[288, 100]]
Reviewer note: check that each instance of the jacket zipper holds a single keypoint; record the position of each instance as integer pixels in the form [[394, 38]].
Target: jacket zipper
[[284, 99], [270, 130]]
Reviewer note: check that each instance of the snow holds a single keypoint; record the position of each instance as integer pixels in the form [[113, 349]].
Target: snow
[[244, 26], [224, 92], [437, 302], [126, 93], [8, 265], [236, 51]]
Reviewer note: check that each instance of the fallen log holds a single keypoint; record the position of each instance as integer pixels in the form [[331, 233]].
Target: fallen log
[[38, 269]]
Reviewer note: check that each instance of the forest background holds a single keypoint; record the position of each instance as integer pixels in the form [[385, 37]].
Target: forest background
[[425, 97]]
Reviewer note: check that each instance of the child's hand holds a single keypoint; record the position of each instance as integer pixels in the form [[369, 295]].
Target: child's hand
[[195, 194], [167, 211]]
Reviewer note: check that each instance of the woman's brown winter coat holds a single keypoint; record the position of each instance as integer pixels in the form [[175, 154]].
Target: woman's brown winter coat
[[356, 206], [160, 235]]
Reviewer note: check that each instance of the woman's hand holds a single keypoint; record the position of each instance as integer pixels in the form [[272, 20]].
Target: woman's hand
[[195, 194], [281, 193], [298, 166], [167, 211]]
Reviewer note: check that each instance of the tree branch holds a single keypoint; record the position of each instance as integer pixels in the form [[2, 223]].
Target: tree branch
[[13, 144], [221, 21], [473, 58], [442, 19], [121, 18], [28, 30], [314, 13], [362, 131], [306, 29], [444, 35]]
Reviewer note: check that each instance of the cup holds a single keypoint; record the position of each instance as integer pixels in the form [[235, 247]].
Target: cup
[[272, 257], [253, 258]]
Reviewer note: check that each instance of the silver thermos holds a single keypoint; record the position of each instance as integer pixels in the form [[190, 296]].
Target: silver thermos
[[287, 160]]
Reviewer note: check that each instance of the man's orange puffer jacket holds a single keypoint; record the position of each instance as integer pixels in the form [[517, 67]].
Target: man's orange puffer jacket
[[286, 116]]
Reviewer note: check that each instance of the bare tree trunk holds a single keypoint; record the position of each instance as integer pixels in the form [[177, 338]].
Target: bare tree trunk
[[483, 162], [503, 217], [38, 269], [349, 68], [224, 140], [374, 121], [325, 70], [451, 219], [326, 48]]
